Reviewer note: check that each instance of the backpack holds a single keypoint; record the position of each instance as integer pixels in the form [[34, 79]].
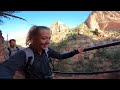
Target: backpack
[[30, 58], [11, 51]]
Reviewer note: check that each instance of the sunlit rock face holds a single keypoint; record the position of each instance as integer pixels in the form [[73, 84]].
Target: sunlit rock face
[[58, 26], [104, 20]]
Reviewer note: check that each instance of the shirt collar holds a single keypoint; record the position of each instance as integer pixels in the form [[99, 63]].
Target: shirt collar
[[34, 51]]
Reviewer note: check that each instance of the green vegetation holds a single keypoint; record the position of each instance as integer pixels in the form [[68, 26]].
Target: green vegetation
[[103, 59]]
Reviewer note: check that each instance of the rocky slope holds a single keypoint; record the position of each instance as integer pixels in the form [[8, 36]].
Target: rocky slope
[[104, 20]]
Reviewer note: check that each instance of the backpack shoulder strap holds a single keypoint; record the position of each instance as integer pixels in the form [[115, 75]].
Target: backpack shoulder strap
[[29, 55], [50, 60], [17, 48], [9, 51]]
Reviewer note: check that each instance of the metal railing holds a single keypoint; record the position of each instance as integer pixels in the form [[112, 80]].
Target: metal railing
[[92, 48]]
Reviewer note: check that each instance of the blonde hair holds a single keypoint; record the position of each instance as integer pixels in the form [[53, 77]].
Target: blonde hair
[[34, 31]]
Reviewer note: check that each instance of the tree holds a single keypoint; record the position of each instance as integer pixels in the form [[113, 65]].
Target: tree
[[8, 14]]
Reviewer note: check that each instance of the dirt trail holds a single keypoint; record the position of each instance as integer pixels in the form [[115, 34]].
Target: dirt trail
[[113, 75]]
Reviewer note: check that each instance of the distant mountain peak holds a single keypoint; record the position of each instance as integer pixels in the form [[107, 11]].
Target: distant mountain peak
[[58, 26]]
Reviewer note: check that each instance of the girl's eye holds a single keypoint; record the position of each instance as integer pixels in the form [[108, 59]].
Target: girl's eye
[[43, 38]]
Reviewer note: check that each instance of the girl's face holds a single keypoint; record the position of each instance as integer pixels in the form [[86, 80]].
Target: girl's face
[[43, 39]]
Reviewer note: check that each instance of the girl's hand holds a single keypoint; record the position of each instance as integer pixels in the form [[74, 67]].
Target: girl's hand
[[81, 51]]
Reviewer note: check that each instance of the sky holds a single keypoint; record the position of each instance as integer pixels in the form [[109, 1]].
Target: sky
[[16, 27]]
